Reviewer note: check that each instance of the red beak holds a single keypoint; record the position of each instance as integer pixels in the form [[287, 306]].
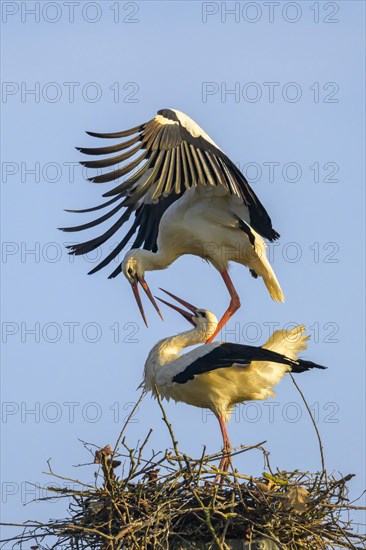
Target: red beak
[[186, 315], [147, 290]]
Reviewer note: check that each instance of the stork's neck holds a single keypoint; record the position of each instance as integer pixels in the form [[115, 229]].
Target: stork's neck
[[168, 349], [152, 261], [185, 339]]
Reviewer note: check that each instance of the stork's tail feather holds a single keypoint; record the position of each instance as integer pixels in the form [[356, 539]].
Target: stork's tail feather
[[288, 342], [263, 269], [273, 286], [258, 262]]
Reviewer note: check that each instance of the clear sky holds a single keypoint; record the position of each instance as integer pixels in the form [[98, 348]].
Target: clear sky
[[279, 86]]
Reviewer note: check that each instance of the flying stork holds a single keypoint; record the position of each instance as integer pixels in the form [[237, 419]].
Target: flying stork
[[187, 197], [221, 374]]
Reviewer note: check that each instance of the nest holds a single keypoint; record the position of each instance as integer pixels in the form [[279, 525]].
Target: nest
[[172, 501]]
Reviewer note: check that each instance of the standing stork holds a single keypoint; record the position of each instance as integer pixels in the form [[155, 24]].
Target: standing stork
[[187, 197], [219, 375]]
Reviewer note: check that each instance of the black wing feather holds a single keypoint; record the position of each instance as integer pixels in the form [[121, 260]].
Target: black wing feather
[[103, 163], [97, 221], [114, 135], [110, 148], [94, 208], [89, 246]]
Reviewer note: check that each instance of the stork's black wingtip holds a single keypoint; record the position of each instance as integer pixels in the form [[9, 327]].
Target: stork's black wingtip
[[304, 365], [274, 236], [115, 273], [316, 366]]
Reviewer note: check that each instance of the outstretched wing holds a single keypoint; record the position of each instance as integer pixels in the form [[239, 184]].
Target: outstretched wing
[[171, 154], [228, 354]]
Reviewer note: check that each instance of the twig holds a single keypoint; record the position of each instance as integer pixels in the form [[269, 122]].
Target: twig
[[143, 393], [167, 423], [314, 424]]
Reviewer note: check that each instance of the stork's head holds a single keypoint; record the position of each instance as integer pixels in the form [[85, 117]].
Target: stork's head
[[133, 265], [203, 320], [133, 268]]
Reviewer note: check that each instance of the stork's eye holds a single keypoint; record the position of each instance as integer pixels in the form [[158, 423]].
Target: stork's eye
[[202, 314], [130, 271]]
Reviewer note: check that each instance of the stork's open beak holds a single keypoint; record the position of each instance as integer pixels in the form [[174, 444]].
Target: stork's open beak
[[145, 286], [188, 316]]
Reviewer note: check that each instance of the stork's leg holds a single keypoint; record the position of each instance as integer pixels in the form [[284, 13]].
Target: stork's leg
[[226, 459], [233, 306]]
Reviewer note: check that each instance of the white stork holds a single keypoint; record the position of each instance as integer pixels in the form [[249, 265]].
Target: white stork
[[187, 197], [219, 375]]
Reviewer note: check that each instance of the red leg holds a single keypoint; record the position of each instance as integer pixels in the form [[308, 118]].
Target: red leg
[[233, 306], [226, 460]]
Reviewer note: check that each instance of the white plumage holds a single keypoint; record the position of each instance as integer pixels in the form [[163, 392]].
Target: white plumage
[[219, 375], [188, 197]]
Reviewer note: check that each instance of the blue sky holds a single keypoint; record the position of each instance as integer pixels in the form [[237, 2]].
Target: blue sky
[[282, 93]]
